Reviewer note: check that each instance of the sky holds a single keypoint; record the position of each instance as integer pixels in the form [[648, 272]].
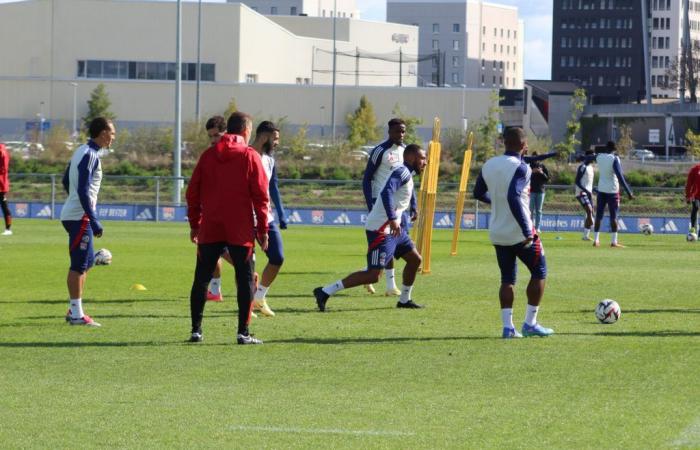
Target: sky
[[537, 15]]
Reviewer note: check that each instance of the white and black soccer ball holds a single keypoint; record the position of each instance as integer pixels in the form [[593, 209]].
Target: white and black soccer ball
[[608, 311], [646, 228], [691, 237], [103, 257]]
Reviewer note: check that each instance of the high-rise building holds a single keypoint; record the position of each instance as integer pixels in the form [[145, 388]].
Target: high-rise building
[[474, 43], [314, 8], [599, 45]]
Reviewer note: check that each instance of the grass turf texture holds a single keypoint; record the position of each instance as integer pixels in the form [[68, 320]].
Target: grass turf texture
[[362, 375]]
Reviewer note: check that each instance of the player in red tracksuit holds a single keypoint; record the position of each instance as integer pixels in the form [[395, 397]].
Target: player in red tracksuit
[[692, 195], [5, 188], [227, 187]]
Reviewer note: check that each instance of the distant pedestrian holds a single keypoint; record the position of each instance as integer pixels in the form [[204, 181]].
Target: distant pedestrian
[[692, 195], [5, 188], [540, 177]]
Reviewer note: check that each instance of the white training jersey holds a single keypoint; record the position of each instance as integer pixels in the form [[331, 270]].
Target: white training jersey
[[607, 179], [400, 185], [84, 177], [268, 163], [587, 173], [385, 158], [508, 180]]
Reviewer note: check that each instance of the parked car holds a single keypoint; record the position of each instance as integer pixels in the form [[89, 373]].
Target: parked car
[[642, 153], [359, 155]]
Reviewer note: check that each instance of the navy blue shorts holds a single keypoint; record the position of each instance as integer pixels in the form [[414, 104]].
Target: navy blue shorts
[[612, 201], [82, 255], [585, 200], [383, 247], [532, 256], [275, 250]]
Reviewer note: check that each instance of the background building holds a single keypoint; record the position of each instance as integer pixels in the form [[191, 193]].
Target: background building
[[315, 8], [477, 44]]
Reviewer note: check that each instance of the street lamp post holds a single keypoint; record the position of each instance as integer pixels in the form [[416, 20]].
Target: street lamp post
[[323, 110], [74, 133], [177, 190], [335, 15]]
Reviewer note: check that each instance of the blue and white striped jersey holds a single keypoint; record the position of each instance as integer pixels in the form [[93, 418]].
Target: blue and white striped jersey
[[382, 161], [392, 201], [82, 183]]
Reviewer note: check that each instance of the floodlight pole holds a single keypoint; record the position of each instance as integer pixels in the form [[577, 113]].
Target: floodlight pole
[[335, 15], [177, 152], [199, 61]]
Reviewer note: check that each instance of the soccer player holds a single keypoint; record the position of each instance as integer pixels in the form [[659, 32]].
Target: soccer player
[[82, 181], [610, 177], [383, 159], [504, 183], [387, 235], [584, 191], [5, 188], [227, 191], [692, 195], [267, 137]]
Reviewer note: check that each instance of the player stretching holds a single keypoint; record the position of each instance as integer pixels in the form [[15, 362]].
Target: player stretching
[[504, 182], [382, 161], [584, 191], [267, 137], [609, 179], [387, 233], [692, 195], [82, 183]]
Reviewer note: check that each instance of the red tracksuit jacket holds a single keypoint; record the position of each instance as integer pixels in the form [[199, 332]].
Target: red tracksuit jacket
[[4, 169], [227, 186], [692, 186]]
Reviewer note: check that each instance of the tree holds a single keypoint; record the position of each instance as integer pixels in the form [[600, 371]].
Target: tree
[[625, 144], [411, 136], [674, 72], [98, 105], [58, 146], [693, 141], [231, 108], [486, 139], [567, 148], [298, 143], [362, 124]]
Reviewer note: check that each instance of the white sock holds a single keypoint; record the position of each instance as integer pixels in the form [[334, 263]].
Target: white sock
[[405, 293], [331, 289], [614, 238], [507, 317], [597, 236], [531, 315], [390, 280], [261, 292], [215, 286], [586, 232], [76, 308]]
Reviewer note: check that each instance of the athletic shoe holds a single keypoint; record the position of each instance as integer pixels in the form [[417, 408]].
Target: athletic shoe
[[596, 243], [196, 337], [511, 333], [321, 298], [85, 320], [246, 339], [409, 305], [262, 306], [7, 233], [536, 330], [617, 245], [393, 292], [370, 288], [214, 297], [586, 238]]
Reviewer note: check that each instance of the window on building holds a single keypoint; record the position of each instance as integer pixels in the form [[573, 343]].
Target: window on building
[[495, 32], [501, 66], [141, 70], [483, 64], [455, 61], [251, 78], [307, 81], [455, 77], [436, 28], [436, 44], [293, 11], [455, 28], [455, 45], [299, 80], [273, 10], [483, 31]]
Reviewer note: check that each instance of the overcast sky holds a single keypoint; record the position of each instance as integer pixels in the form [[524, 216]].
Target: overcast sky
[[537, 15]]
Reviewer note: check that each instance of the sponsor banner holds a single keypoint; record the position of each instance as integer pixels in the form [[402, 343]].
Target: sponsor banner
[[40, 210], [19, 209], [173, 213], [144, 212], [115, 212]]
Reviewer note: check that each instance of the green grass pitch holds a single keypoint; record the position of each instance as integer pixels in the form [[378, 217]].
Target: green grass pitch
[[363, 375]]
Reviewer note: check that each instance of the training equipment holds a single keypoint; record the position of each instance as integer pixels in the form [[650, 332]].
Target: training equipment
[[423, 231], [691, 237], [103, 257], [459, 208], [536, 330], [646, 228], [138, 287], [607, 311]]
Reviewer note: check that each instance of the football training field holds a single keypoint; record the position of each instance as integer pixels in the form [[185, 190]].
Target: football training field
[[362, 375]]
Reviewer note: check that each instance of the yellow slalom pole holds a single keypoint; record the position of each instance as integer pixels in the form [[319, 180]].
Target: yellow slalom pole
[[434, 149], [463, 181]]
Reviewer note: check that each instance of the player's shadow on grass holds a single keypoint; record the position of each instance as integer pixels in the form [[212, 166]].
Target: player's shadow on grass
[[650, 311], [378, 340], [284, 272], [83, 344], [103, 302], [653, 334]]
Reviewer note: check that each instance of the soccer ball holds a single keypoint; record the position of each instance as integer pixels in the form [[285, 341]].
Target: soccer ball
[[646, 228], [103, 257], [607, 311], [691, 237]]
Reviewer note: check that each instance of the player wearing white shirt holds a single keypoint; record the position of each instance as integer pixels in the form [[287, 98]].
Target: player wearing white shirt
[[382, 161], [504, 182], [82, 181], [387, 238], [584, 191], [610, 177]]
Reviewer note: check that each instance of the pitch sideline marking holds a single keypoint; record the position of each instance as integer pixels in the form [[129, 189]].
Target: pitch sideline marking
[[320, 431], [690, 436]]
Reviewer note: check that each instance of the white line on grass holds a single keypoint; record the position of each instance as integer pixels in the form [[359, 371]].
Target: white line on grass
[[690, 437], [320, 431]]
